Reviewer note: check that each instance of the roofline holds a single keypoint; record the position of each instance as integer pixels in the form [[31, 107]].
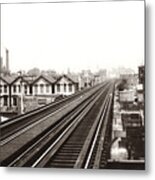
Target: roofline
[[4, 80], [64, 75], [41, 76], [18, 77]]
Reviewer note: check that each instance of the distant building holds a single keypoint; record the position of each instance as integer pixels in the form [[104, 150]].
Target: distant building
[[127, 95], [87, 78], [131, 80], [141, 74], [141, 86], [100, 76]]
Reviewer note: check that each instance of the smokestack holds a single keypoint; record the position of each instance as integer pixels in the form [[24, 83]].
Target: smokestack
[[7, 60]]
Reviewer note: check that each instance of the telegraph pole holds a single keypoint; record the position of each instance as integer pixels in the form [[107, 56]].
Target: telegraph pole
[[21, 94]]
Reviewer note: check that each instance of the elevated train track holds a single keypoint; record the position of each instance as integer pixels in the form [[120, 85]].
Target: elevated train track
[[74, 133], [21, 121]]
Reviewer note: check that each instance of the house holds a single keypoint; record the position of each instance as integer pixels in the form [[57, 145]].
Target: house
[[43, 85], [21, 93], [4, 93], [13, 88], [43, 89], [66, 85]]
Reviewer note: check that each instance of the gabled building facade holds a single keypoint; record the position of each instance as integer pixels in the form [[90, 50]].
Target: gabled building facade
[[65, 85], [18, 93], [4, 93], [43, 85]]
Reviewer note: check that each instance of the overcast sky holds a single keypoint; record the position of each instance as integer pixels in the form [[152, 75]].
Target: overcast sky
[[73, 35]]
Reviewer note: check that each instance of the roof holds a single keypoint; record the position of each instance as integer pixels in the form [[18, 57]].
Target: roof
[[29, 79], [9, 78], [49, 79], [73, 79], [20, 77]]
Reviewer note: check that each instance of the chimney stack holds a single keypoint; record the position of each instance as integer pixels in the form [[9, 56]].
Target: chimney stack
[[7, 60]]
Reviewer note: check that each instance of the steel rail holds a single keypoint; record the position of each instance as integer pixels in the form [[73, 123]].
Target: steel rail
[[7, 129], [35, 111], [29, 153], [46, 124], [95, 138], [42, 161], [11, 136], [68, 154], [6, 140], [102, 138], [85, 154]]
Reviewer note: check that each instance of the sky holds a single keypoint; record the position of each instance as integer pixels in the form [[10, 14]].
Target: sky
[[73, 36]]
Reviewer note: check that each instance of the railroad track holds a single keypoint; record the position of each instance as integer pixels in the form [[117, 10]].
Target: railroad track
[[14, 125], [17, 123], [75, 140], [78, 150], [12, 141]]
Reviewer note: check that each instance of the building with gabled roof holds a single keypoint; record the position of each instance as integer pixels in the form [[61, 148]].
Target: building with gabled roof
[[43, 85], [4, 93], [66, 85]]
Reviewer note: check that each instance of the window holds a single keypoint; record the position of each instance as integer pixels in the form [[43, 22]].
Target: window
[[47, 88], [70, 87], [31, 89], [25, 89], [41, 88], [64, 87], [14, 101], [19, 88], [58, 87], [5, 88], [5, 100], [53, 89], [14, 88], [36, 89]]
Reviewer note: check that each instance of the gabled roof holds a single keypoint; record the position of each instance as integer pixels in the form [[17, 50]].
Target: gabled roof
[[49, 79], [70, 78], [4, 80], [20, 77], [73, 77], [9, 78]]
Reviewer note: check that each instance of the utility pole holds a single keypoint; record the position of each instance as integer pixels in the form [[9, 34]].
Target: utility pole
[[21, 94]]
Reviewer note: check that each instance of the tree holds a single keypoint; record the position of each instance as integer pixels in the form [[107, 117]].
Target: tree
[[34, 72]]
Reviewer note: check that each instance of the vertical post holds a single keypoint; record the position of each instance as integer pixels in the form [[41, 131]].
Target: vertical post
[[21, 98], [21, 94]]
